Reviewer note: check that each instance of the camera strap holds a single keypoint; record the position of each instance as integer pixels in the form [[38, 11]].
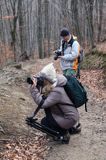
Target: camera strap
[[69, 44]]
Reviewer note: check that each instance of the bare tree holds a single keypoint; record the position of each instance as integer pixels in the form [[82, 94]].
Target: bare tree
[[100, 19], [29, 27], [46, 29], [89, 15], [75, 18], [39, 30]]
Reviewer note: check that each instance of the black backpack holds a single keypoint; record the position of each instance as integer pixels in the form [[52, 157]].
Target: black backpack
[[76, 92]]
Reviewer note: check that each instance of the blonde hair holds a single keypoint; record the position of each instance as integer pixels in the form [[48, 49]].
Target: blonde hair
[[48, 86]]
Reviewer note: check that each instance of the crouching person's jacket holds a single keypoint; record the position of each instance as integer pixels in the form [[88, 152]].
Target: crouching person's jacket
[[59, 104]]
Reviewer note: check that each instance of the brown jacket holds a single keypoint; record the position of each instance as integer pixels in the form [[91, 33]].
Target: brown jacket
[[65, 115]]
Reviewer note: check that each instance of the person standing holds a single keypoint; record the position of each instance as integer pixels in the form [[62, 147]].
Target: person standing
[[70, 50]]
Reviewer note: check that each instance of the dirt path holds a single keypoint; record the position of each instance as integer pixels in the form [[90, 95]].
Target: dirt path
[[16, 104], [91, 143]]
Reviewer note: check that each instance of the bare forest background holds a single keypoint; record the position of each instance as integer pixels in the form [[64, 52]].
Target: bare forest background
[[30, 32], [31, 28]]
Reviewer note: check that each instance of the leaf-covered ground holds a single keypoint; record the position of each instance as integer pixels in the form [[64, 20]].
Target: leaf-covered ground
[[19, 142]]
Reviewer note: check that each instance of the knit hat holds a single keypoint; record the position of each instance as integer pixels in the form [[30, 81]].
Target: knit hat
[[64, 32], [49, 73]]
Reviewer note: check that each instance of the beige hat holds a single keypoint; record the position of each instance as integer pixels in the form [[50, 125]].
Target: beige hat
[[49, 73]]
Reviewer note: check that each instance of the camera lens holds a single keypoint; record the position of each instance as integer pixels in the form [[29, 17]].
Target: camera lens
[[55, 57], [29, 80]]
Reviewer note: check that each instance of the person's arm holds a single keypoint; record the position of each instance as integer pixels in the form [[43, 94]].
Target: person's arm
[[36, 94], [72, 54], [52, 99]]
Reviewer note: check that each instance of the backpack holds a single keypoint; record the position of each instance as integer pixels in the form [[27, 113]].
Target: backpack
[[80, 56], [76, 92]]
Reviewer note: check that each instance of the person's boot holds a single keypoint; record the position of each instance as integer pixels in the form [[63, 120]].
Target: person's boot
[[64, 139], [75, 129]]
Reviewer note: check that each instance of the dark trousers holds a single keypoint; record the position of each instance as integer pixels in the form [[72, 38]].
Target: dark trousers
[[50, 122]]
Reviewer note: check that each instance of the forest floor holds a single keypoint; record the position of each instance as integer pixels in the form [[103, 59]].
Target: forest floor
[[20, 142]]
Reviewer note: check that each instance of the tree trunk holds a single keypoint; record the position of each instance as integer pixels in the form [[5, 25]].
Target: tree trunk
[[39, 30], [89, 14], [100, 19]]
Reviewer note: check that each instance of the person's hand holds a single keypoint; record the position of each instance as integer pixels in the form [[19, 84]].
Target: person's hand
[[60, 57], [34, 80], [54, 51]]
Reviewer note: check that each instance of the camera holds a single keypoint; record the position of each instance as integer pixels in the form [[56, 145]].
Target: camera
[[40, 82], [29, 80], [57, 54]]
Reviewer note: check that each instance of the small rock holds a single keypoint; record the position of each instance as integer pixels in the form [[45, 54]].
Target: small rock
[[18, 66]]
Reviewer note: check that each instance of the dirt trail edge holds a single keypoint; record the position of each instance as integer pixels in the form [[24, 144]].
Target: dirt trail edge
[[16, 103]]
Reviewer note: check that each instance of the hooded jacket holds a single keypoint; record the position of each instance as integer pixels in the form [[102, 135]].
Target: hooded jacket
[[59, 104]]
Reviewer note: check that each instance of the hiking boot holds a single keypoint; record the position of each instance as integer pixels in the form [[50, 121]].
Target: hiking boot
[[75, 130], [64, 139]]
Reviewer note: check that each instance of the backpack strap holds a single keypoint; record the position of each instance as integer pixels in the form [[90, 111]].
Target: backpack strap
[[86, 107], [70, 43], [78, 71], [63, 43]]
